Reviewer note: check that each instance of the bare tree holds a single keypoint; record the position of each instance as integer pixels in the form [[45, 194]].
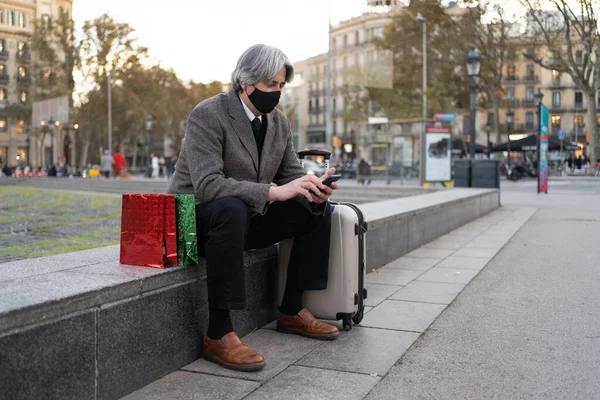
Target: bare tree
[[571, 36], [486, 27]]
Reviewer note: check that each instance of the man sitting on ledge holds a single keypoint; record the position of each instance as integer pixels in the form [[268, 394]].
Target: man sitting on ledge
[[236, 145]]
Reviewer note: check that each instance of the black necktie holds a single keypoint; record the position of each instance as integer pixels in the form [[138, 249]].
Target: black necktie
[[256, 128]]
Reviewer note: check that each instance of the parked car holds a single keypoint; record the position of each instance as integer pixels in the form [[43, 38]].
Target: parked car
[[311, 167], [347, 170]]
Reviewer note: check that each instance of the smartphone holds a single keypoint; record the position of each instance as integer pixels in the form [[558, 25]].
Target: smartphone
[[330, 179]]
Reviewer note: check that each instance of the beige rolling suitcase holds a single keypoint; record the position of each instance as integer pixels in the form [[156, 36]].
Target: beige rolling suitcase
[[344, 297]]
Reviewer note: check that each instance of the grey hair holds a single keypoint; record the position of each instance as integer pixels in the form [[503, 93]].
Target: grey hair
[[260, 63]]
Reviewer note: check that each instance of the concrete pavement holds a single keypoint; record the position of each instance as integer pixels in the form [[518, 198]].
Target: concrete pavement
[[405, 297], [528, 326]]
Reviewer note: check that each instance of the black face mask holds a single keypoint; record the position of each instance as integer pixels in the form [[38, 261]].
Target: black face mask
[[264, 102]]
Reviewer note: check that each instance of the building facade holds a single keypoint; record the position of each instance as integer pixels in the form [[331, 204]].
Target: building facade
[[522, 78], [17, 21], [354, 58]]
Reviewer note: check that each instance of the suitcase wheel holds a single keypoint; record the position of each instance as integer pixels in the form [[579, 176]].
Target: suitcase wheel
[[347, 323]]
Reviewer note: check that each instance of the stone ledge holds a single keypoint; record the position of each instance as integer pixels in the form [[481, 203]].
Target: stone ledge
[[130, 325], [35, 290]]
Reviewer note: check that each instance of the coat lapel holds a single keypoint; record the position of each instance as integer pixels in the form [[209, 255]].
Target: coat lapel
[[267, 144], [242, 127]]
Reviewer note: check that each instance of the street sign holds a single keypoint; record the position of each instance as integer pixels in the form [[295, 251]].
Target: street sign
[[561, 134], [445, 117], [543, 150]]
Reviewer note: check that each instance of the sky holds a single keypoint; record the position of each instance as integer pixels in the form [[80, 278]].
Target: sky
[[202, 40]]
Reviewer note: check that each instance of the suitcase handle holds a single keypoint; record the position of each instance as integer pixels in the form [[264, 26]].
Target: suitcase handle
[[306, 153]]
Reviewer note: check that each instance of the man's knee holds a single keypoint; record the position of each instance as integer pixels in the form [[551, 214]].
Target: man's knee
[[228, 210]]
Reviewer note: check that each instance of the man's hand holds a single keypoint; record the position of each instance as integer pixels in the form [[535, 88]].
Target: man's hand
[[308, 186], [326, 191]]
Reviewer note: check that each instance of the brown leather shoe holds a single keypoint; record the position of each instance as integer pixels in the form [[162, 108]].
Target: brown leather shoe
[[305, 324], [230, 352]]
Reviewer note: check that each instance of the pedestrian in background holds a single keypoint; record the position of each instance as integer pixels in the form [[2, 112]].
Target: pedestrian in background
[[106, 164], [119, 164], [155, 165]]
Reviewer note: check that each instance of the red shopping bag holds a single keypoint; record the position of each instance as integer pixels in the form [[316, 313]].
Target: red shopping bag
[[149, 230]]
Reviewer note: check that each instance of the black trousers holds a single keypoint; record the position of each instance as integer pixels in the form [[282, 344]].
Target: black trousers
[[226, 228]]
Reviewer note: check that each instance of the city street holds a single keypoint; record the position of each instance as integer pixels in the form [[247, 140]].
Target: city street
[[528, 325]]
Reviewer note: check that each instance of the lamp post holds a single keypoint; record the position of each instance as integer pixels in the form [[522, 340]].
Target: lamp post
[[148, 135], [473, 66], [27, 144], [422, 163], [510, 117], [488, 129], [51, 129]]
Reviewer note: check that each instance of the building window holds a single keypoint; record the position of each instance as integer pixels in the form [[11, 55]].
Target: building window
[[23, 96], [529, 72], [356, 38], [578, 99], [529, 120], [598, 121], [1, 16], [345, 41], [20, 126], [333, 105], [511, 94], [529, 95], [2, 46], [556, 120], [510, 73], [11, 18], [21, 49], [46, 22], [490, 118], [2, 94], [579, 57], [47, 74], [578, 120], [21, 72], [555, 75], [555, 99], [21, 20], [3, 70], [530, 51], [3, 125], [310, 105]]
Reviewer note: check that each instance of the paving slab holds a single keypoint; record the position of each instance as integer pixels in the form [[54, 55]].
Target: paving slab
[[464, 262], [362, 350], [181, 385], [304, 383], [476, 252], [419, 264], [445, 244], [403, 315], [392, 276], [378, 293], [429, 292], [280, 350], [485, 244], [449, 275], [429, 253]]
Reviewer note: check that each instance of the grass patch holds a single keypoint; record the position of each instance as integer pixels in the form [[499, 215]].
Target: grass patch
[[64, 245]]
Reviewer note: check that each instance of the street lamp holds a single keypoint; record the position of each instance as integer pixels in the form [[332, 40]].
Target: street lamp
[[488, 129], [422, 19], [510, 117], [473, 66], [51, 130], [148, 134]]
